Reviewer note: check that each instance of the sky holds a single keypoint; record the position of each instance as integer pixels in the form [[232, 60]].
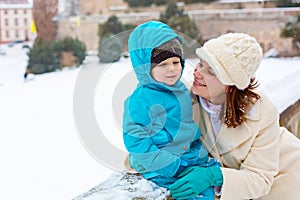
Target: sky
[[42, 153]]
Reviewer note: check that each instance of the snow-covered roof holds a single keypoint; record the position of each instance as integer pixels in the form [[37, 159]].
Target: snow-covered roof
[[13, 1], [15, 4]]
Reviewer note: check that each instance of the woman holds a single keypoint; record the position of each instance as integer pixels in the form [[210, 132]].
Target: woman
[[260, 159]]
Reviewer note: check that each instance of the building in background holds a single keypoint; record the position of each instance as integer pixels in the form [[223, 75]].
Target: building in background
[[261, 19], [15, 20], [103, 7], [81, 18]]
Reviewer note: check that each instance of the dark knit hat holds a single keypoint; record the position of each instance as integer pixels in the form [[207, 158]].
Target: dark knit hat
[[172, 48]]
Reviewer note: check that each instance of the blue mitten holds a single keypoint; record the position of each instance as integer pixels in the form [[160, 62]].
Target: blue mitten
[[194, 180]]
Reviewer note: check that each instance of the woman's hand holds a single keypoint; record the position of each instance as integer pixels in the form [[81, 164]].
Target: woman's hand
[[194, 180]]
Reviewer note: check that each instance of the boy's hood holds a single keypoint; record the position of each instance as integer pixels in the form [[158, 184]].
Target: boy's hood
[[142, 41]]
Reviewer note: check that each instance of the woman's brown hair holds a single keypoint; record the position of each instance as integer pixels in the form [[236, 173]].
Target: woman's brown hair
[[238, 103]]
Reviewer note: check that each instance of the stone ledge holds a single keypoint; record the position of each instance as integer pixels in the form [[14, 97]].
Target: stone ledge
[[290, 118]]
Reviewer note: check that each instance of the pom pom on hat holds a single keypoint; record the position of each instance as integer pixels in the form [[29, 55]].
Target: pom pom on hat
[[234, 57], [172, 48]]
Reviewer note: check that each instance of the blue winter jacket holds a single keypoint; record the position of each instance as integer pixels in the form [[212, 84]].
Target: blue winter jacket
[[158, 129]]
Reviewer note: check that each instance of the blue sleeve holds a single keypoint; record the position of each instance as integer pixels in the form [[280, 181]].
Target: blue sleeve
[[145, 156]]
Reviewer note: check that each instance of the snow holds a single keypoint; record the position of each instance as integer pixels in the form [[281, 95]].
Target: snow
[[42, 152], [125, 186]]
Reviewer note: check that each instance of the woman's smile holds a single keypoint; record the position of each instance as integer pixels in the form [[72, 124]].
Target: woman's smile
[[199, 84]]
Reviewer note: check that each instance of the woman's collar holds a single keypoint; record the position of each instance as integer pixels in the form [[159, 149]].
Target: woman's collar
[[210, 107]]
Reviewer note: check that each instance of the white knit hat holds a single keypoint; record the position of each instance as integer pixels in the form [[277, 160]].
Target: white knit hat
[[234, 57]]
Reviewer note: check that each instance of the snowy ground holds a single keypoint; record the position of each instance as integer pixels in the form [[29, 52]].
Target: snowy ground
[[42, 156]]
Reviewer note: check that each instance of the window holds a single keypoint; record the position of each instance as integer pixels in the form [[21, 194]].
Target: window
[[5, 12], [25, 21], [17, 33], [16, 11], [16, 22], [7, 34], [25, 11], [6, 22]]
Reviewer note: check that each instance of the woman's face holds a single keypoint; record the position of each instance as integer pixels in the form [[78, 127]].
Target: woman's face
[[207, 85]]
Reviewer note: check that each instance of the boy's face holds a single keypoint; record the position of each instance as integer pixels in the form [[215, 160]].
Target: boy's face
[[167, 71]]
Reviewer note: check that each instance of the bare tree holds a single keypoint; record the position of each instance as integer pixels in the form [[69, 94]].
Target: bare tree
[[43, 13]]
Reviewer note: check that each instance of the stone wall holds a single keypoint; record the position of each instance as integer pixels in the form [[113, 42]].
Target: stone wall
[[85, 29], [99, 7], [265, 25], [110, 7], [259, 19]]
